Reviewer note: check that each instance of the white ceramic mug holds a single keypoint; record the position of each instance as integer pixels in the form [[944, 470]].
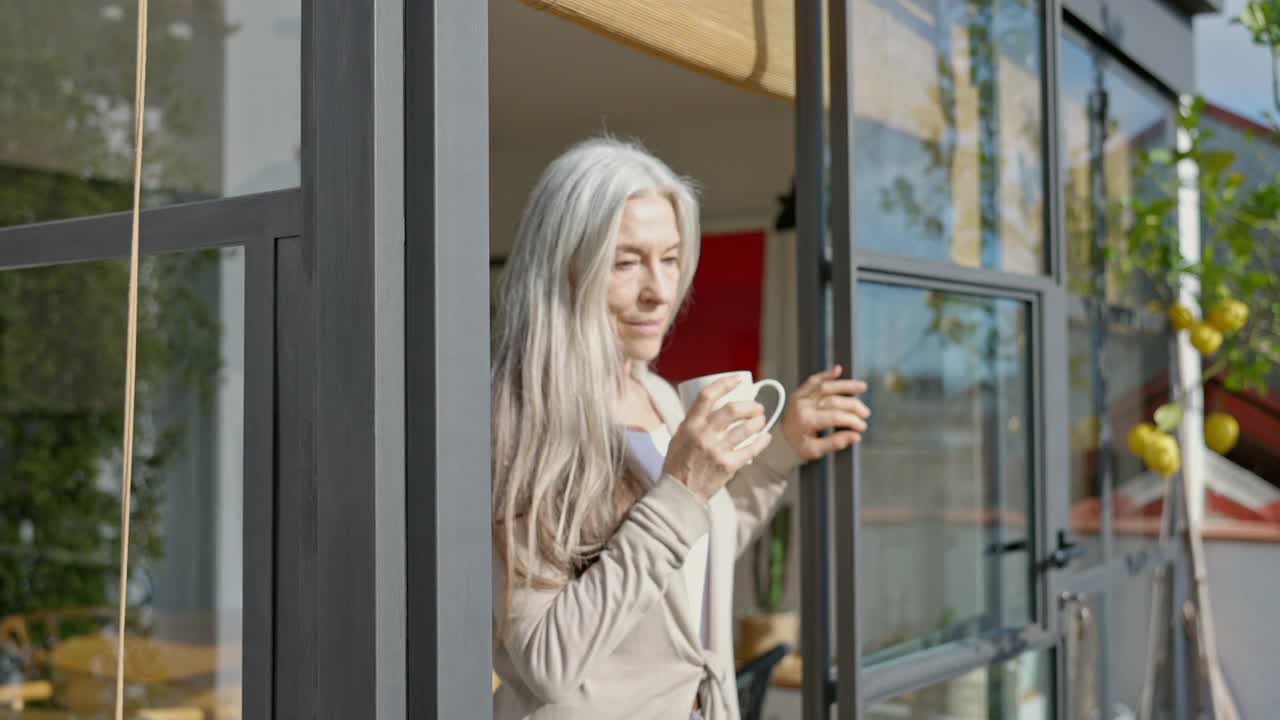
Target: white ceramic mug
[[745, 390]]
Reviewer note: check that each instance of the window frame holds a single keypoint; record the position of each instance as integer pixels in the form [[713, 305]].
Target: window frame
[[254, 222], [854, 684], [1110, 574]]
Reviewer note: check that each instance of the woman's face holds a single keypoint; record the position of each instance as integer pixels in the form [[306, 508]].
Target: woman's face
[[645, 275]]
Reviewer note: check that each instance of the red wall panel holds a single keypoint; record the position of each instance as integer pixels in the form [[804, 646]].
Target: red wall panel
[[719, 329]]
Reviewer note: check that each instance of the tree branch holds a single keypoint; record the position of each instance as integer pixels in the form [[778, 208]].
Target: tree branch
[[1218, 365]]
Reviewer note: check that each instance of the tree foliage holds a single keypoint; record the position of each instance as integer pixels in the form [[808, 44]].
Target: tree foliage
[[66, 98], [1240, 218]]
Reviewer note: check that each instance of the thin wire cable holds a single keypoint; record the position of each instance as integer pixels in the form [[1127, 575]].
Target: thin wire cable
[[131, 348]]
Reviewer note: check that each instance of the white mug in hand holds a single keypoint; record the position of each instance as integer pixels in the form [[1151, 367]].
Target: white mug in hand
[[745, 390]]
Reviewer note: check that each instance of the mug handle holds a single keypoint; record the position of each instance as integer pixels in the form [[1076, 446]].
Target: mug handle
[[782, 400], [777, 411]]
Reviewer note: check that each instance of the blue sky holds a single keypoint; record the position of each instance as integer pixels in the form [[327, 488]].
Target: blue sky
[[1230, 70]]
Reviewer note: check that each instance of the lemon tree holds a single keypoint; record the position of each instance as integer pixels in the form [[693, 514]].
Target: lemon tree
[[1234, 322]]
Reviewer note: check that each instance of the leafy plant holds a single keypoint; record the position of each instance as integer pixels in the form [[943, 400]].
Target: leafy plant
[[1235, 318], [66, 99], [62, 334], [1262, 19], [770, 561]]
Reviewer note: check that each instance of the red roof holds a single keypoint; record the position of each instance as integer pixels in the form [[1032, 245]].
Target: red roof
[[1238, 504], [1239, 122]]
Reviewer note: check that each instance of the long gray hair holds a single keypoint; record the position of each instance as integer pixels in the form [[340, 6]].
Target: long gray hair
[[560, 485]]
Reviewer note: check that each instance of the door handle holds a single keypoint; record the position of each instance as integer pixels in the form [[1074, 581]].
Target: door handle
[[1067, 551], [1007, 547]]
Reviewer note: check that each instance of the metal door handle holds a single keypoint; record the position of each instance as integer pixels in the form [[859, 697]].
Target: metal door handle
[[1007, 547], [1067, 551]]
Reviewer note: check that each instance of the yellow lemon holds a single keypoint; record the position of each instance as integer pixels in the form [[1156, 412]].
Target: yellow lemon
[[1139, 435], [1221, 432], [1206, 338], [1181, 317], [1229, 316], [1162, 454]]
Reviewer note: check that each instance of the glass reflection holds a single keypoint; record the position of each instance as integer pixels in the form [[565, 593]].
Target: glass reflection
[[1082, 647], [1019, 689], [948, 131], [223, 104], [62, 332], [1137, 372], [1136, 362], [946, 466], [1136, 121], [1126, 646]]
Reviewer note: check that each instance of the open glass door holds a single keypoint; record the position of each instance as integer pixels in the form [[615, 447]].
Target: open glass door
[[944, 300], [1118, 371]]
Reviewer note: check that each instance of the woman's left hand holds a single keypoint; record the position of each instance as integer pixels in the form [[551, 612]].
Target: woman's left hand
[[825, 402]]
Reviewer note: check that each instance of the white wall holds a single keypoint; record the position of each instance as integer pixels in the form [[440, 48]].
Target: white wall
[[741, 168], [1244, 579], [553, 83]]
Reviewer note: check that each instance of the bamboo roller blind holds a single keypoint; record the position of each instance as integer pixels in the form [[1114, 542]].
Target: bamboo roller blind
[[750, 43]]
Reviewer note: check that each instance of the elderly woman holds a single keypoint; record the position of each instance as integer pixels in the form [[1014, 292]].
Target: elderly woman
[[617, 515]]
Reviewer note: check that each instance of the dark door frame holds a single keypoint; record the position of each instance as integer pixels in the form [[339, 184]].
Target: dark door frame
[[386, 432]]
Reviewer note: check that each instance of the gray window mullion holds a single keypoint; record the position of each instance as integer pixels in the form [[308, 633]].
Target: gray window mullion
[[850, 692], [908, 267], [259, 479], [446, 324], [944, 285], [177, 228], [1051, 488], [811, 233], [882, 682], [1051, 147]]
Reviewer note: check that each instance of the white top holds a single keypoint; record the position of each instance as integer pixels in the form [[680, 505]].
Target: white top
[[695, 566]]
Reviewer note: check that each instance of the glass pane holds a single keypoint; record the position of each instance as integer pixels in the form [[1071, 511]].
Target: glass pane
[[1137, 374], [947, 149], [1125, 647], [946, 467], [223, 104], [1020, 689], [62, 335], [1136, 120], [1126, 644], [1083, 657]]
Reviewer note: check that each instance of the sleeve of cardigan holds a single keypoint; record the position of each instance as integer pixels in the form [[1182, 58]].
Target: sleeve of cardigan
[[758, 487], [553, 636]]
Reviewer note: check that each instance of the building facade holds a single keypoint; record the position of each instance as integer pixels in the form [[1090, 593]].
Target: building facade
[[328, 186]]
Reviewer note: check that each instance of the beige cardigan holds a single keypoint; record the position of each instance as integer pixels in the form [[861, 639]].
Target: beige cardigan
[[619, 642]]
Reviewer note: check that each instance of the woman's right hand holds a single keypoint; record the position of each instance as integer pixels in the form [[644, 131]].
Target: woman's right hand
[[704, 453]]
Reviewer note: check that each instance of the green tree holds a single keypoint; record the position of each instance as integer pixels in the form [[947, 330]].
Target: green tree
[[62, 331], [66, 106], [1238, 271], [66, 100]]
